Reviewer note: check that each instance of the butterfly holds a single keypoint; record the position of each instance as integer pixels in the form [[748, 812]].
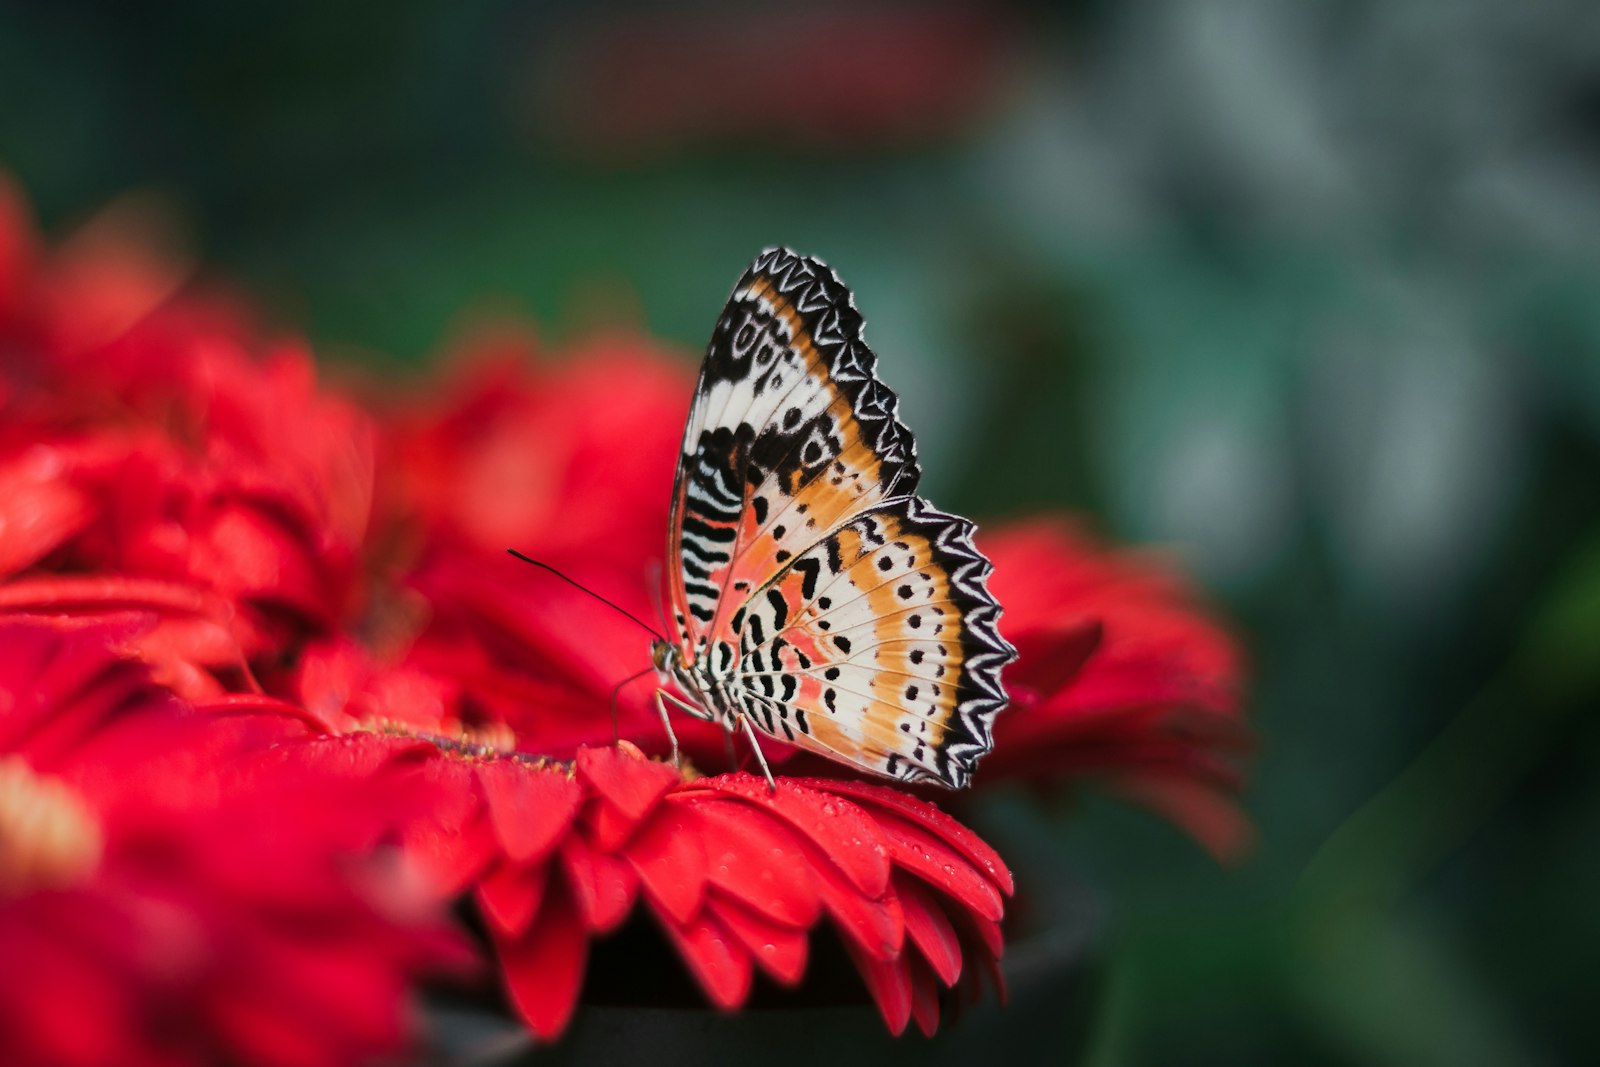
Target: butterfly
[[812, 594]]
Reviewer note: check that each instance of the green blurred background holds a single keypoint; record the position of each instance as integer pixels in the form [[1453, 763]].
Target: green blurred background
[[1309, 292]]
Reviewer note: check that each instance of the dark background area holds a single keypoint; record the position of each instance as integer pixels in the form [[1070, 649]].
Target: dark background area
[[1308, 293]]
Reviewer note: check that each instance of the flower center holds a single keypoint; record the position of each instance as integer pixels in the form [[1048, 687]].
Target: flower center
[[49, 839]]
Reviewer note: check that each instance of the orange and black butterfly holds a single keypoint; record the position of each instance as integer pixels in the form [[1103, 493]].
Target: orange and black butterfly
[[814, 596]]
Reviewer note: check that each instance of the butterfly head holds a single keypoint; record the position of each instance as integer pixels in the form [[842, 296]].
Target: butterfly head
[[673, 665]]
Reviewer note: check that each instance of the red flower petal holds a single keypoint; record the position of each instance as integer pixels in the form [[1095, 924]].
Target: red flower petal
[[259, 704], [626, 787], [107, 593], [889, 982], [777, 949], [929, 857], [924, 998], [226, 888], [609, 828], [361, 755], [930, 929], [1055, 654], [630, 783], [669, 854], [843, 832], [756, 859], [338, 992], [38, 511], [455, 843], [530, 807], [937, 821], [603, 885], [54, 1022], [718, 960], [510, 894], [253, 552], [876, 926], [66, 684], [544, 967]]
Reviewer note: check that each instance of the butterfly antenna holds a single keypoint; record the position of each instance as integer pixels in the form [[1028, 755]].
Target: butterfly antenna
[[615, 693], [586, 589]]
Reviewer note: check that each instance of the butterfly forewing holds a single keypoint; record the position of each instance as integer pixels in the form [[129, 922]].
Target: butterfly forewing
[[790, 434], [840, 612]]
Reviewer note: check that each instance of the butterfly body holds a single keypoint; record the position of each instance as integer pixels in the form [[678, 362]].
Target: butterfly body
[[814, 596], [698, 678]]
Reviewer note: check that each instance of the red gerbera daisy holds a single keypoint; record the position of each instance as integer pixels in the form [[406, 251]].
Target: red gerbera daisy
[[556, 853], [546, 455], [1121, 676], [172, 449], [163, 899]]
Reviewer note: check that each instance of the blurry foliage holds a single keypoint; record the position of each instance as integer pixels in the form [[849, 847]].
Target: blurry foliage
[[1310, 292]]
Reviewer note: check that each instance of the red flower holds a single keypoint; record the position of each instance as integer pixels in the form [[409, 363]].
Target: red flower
[[877, 75], [556, 853], [571, 463], [163, 897], [150, 435], [568, 460], [1121, 676]]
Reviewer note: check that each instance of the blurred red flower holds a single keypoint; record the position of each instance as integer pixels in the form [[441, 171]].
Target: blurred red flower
[[158, 455], [555, 853], [554, 459], [166, 898], [1120, 675], [877, 75]]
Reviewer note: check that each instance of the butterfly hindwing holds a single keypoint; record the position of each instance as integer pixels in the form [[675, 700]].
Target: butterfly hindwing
[[883, 635]]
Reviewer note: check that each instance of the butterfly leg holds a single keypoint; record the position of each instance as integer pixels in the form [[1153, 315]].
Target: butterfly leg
[[727, 744], [666, 724], [755, 746]]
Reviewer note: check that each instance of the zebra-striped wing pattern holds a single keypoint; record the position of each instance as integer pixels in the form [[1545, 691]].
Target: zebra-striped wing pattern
[[812, 591]]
